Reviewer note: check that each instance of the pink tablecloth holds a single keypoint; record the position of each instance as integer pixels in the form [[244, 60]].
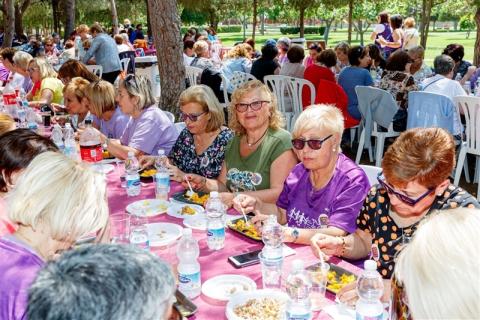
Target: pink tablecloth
[[212, 262]]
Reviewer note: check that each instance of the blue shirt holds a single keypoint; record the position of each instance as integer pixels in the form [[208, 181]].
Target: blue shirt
[[105, 51], [349, 78]]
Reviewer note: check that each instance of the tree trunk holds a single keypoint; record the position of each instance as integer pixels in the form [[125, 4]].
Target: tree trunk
[[476, 50], [328, 25], [149, 25], [254, 21], [262, 23], [69, 11], [56, 15], [20, 9], [113, 7], [350, 21], [168, 43], [425, 21], [302, 22], [9, 22]]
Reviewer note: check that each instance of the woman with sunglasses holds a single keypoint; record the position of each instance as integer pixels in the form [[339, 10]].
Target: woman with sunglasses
[[323, 193], [149, 128], [259, 157], [415, 182], [46, 87], [200, 147]]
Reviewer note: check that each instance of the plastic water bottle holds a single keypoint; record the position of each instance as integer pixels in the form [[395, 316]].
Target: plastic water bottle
[[162, 177], [22, 117], [467, 87], [215, 211], [90, 146], [139, 235], [378, 78], [132, 178], [10, 100], [272, 237], [189, 281], [298, 286], [458, 77], [57, 137], [370, 290], [70, 144], [31, 118]]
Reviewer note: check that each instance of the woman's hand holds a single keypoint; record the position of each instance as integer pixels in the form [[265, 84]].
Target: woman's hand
[[196, 181], [227, 198], [146, 161], [348, 294], [258, 220], [324, 244], [245, 203], [175, 173]]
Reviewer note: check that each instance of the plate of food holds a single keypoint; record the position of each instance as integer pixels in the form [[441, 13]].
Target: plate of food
[[246, 228], [147, 174], [199, 198], [197, 222], [223, 287], [257, 305], [337, 277], [182, 210], [162, 233], [148, 208]]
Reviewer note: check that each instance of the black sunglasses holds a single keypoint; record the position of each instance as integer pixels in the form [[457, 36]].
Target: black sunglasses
[[191, 117], [405, 199], [255, 106], [314, 144]]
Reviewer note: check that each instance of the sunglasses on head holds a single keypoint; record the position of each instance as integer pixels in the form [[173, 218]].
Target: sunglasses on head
[[314, 144], [405, 199], [255, 106], [191, 117]]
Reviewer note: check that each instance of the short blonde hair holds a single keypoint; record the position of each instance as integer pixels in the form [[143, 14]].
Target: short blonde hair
[[439, 268], [240, 50], [101, 95], [200, 47], [6, 123], [409, 22], [319, 117], [204, 96], [139, 86], [276, 118], [61, 196], [78, 87], [22, 59], [45, 68], [82, 28]]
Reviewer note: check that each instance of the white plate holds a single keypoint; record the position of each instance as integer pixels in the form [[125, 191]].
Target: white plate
[[175, 210], [198, 222], [103, 168], [243, 297], [148, 207], [112, 161], [223, 287], [163, 233]]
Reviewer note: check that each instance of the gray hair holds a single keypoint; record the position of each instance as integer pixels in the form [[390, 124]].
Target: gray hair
[[443, 64], [102, 282], [342, 46], [140, 87], [21, 59], [284, 42]]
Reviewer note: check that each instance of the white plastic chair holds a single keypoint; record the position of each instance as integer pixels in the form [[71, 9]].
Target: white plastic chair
[[372, 173], [288, 91], [95, 69], [124, 63], [170, 116], [236, 81], [192, 74], [471, 110]]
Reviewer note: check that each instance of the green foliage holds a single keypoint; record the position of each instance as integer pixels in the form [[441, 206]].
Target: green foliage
[[220, 29], [307, 30], [467, 22], [193, 16]]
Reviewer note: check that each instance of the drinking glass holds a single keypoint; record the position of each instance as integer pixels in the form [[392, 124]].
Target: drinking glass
[[120, 228], [318, 277]]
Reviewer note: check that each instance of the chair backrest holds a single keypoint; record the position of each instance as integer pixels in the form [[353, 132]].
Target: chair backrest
[[426, 110], [376, 104], [213, 79], [298, 85], [470, 107], [95, 69], [124, 63], [192, 74], [131, 64], [372, 173], [238, 78], [170, 115]]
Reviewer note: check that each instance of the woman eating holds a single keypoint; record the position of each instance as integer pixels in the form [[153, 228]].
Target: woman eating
[[48, 222], [46, 87], [259, 157], [325, 191], [149, 128], [415, 182], [76, 101]]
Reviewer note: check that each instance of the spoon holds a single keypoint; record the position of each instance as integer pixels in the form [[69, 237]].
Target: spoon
[[244, 216], [190, 192]]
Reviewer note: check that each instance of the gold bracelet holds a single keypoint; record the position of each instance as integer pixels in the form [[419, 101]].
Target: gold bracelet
[[344, 245]]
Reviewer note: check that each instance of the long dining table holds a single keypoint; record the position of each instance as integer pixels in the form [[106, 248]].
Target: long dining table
[[212, 263]]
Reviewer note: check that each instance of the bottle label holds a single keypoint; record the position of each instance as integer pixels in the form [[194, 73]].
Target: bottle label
[[189, 281], [162, 179], [91, 153], [360, 317], [133, 181], [305, 316], [216, 233], [10, 99]]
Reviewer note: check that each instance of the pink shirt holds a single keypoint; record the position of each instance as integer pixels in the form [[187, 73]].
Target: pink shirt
[[6, 226]]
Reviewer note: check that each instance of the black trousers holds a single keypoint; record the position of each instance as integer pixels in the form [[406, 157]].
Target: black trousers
[[111, 76]]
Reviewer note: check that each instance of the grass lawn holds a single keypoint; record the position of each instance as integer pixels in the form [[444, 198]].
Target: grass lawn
[[435, 44]]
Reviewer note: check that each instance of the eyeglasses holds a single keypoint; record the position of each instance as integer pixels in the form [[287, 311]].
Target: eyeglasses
[[191, 117], [405, 199], [255, 106], [314, 144]]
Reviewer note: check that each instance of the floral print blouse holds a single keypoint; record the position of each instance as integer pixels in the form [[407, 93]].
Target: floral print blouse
[[207, 164], [399, 84]]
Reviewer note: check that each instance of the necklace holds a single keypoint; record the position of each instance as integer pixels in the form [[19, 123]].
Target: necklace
[[250, 145]]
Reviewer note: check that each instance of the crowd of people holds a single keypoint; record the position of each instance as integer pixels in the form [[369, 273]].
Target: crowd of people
[[413, 222]]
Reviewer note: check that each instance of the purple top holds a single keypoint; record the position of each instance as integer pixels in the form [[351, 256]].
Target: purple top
[[114, 127], [18, 268], [4, 72], [152, 131], [335, 205]]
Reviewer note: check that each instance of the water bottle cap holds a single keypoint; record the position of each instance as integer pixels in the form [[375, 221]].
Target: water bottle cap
[[370, 265], [187, 232], [214, 194], [297, 264], [161, 152]]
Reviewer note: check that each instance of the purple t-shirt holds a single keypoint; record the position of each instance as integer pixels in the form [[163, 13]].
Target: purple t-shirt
[[114, 127], [152, 131], [19, 266], [338, 203]]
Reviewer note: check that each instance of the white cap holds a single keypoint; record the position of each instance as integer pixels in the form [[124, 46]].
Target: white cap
[[370, 265], [213, 194], [130, 153], [297, 264], [187, 232], [161, 152]]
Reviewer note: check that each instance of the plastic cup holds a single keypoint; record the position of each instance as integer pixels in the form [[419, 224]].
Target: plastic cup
[[120, 228], [318, 277], [271, 272]]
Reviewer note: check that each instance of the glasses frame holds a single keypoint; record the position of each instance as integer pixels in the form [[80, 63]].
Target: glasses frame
[[405, 199], [310, 143], [243, 107], [192, 117]]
